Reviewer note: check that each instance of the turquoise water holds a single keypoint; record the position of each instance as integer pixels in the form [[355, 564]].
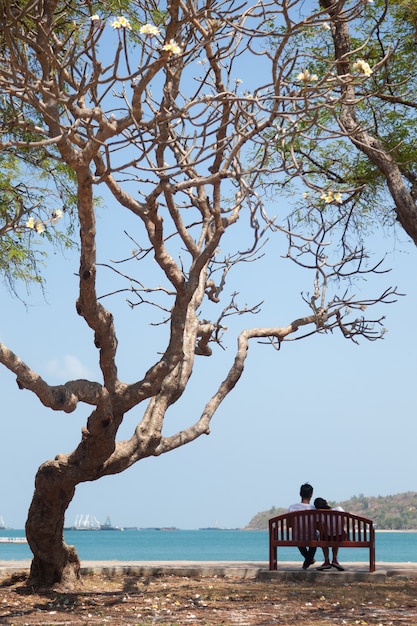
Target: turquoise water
[[203, 545]]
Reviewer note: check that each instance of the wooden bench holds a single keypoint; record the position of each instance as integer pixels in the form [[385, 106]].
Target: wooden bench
[[320, 528]]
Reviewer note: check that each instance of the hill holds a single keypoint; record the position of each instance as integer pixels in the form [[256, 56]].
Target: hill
[[397, 512]]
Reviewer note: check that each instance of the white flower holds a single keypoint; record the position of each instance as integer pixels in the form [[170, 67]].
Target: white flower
[[305, 76], [149, 30], [124, 22], [56, 215], [95, 18], [121, 22], [325, 26], [363, 67], [172, 47], [30, 223], [327, 197], [331, 196]]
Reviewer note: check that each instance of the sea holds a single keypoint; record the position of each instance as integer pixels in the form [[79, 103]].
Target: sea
[[202, 545]]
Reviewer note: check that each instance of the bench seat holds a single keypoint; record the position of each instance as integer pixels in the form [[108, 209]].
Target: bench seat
[[321, 528]]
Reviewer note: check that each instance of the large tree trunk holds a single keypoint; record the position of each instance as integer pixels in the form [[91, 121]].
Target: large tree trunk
[[53, 561]]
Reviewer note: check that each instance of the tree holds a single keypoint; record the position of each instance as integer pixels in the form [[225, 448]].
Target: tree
[[149, 106], [387, 146], [29, 211], [36, 192], [358, 82]]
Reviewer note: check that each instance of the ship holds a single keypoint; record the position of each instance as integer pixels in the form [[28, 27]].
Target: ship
[[86, 522], [215, 527], [108, 525], [3, 525], [90, 522]]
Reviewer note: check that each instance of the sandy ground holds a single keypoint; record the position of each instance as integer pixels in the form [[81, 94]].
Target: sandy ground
[[179, 593]]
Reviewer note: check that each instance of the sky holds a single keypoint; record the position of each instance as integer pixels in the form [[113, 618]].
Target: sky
[[323, 410]]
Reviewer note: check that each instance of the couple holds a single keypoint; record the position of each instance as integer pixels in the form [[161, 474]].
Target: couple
[[306, 493]]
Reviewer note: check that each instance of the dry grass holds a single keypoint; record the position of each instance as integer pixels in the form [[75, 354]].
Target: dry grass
[[208, 601]]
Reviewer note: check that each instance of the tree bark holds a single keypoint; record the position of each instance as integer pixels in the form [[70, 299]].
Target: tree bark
[[53, 561]]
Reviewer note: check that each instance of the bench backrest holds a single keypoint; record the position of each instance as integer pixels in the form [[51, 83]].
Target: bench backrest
[[321, 525]]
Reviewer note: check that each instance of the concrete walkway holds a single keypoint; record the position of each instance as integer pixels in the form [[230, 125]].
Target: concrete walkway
[[236, 569]]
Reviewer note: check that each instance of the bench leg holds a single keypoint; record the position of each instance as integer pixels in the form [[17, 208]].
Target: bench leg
[[372, 559], [272, 558]]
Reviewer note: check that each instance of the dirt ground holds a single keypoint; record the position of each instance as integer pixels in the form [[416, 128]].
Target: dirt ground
[[209, 601]]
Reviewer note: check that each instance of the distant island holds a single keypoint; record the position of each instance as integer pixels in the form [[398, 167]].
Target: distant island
[[397, 512]]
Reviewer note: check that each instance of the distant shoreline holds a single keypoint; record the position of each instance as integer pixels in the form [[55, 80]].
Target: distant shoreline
[[385, 530]]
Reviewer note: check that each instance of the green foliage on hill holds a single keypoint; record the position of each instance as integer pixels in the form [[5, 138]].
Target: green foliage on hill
[[397, 512]]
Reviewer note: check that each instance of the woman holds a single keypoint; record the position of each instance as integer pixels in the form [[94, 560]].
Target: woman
[[334, 533]]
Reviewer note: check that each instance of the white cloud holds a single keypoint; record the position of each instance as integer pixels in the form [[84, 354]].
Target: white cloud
[[68, 368]]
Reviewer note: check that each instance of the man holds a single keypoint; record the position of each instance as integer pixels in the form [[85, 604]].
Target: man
[[306, 493]]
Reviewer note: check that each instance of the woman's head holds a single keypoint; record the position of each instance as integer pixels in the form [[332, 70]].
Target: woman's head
[[321, 503]]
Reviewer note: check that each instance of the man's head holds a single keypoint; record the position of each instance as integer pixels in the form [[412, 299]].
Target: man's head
[[306, 491]]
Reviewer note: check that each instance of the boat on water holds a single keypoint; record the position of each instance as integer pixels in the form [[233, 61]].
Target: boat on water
[[90, 522], [214, 527], [3, 525], [13, 540], [85, 522], [109, 526]]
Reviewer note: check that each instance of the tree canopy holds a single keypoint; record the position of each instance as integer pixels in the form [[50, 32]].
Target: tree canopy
[[196, 119], [30, 212]]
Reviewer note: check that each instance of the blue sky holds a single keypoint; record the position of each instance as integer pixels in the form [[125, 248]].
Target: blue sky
[[322, 410]]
